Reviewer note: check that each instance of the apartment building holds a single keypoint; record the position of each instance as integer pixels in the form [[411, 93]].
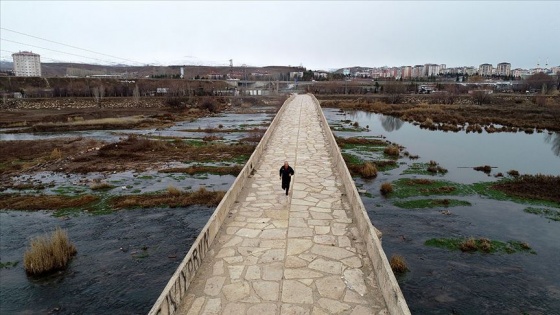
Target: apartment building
[[485, 69], [503, 69], [27, 64]]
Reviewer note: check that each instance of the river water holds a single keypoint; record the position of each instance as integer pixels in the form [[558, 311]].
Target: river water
[[448, 282], [126, 258]]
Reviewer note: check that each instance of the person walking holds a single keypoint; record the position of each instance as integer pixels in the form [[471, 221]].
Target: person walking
[[286, 173]]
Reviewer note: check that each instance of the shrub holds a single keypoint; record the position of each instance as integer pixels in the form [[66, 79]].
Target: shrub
[[48, 253], [100, 186], [392, 150], [368, 170], [486, 169], [513, 173], [398, 264], [386, 188], [56, 154], [173, 190], [468, 245]]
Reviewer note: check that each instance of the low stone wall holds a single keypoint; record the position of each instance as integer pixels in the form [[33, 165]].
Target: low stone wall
[[386, 280], [177, 286]]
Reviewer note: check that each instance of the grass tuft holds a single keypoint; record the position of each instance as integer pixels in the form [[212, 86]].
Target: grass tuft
[[368, 170], [48, 253], [398, 264], [386, 188], [55, 154], [392, 150], [174, 191]]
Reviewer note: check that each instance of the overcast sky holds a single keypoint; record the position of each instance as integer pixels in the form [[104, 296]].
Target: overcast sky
[[317, 35]]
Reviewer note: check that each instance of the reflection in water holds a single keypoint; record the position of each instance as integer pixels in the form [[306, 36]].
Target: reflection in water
[[554, 139], [390, 123]]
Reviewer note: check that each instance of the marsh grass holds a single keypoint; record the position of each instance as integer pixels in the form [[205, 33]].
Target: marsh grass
[[202, 169], [431, 203], [482, 244], [44, 202], [174, 191], [182, 199], [368, 170], [101, 186], [398, 264], [431, 168], [486, 169], [56, 154], [48, 253], [407, 187], [386, 188], [392, 150], [544, 212], [540, 187]]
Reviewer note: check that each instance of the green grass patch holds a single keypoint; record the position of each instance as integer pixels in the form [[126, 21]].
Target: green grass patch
[[430, 203], [8, 264], [424, 169], [486, 189], [69, 190], [406, 187], [544, 212], [480, 245], [351, 159]]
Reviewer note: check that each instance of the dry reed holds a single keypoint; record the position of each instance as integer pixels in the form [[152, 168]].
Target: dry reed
[[48, 253]]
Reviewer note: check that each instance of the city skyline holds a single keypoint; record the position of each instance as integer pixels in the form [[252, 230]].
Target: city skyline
[[318, 35]]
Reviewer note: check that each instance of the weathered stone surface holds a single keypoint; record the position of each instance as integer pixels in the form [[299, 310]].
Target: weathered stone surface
[[328, 266], [296, 292], [331, 252], [334, 306], [263, 309], [290, 309], [214, 285], [298, 246], [331, 287], [236, 291], [267, 290], [355, 280]]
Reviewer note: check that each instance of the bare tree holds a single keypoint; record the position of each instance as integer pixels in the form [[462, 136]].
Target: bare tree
[[395, 91], [481, 97]]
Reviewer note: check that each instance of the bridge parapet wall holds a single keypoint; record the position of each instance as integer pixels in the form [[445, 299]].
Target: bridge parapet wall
[[396, 304]]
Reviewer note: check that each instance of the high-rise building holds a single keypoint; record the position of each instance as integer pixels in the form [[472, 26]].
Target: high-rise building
[[485, 69], [27, 64], [503, 69]]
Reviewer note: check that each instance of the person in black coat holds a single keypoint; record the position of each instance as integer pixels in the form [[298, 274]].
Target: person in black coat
[[286, 173]]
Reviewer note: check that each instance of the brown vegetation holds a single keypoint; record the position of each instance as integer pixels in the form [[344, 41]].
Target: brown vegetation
[[197, 169], [368, 170], [505, 111], [392, 150], [486, 169], [386, 188], [48, 253], [44, 202], [541, 187], [398, 264], [172, 199]]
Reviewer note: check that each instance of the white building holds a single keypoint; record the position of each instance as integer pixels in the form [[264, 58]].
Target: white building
[[27, 64], [503, 69], [485, 69]]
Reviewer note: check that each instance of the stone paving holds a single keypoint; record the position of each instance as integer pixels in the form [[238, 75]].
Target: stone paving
[[296, 254]]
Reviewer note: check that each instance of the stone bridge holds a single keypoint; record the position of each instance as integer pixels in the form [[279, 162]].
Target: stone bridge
[[314, 251]]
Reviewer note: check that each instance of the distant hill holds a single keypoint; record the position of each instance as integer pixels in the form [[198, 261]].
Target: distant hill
[[62, 69]]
